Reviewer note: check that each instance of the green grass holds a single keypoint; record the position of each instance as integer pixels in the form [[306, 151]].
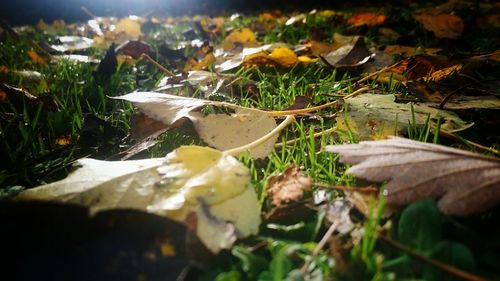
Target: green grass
[[31, 157]]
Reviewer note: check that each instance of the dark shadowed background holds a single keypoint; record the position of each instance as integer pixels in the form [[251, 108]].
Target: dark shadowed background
[[30, 11]]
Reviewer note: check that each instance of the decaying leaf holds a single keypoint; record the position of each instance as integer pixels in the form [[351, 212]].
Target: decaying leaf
[[372, 116], [288, 186], [350, 55], [443, 25], [235, 127], [191, 180], [465, 182]]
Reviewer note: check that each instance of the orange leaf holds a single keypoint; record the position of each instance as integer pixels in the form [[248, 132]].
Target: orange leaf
[[443, 26], [63, 140], [3, 96], [366, 18], [35, 58]]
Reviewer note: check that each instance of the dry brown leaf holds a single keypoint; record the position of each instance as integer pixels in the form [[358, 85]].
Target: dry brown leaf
[[465, 183], [408, 51], [288, 186], [443, 26]]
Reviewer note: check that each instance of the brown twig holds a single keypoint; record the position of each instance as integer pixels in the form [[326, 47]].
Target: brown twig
[[347, 188]]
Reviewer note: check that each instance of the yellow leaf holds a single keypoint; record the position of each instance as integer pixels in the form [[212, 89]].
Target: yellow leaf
[[130, 27], [258, 59], [327, 13], [306, 59], [284, 57], [191, 180], [244, 37], [212, 25], [194, 64]]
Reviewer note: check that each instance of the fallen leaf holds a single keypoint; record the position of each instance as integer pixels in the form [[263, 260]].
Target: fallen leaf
[[212, 25], [470, 102], [284, 57], [301, 18], [244, 37], [75, 58], [408, 51], [288, 186], [235, 127], [72, 43], [21, 99], [144, 127], [204, 63], [203, 58], [388, 34], [443, 25], [36, 58], [63, 140], [300, 102], [372, 116], [366, 18], [134, 49], [349, 56], [130, 26], [443, 73], [191, 180], [466, 183]]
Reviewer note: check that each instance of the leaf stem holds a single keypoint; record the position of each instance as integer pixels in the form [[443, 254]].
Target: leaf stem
[[316, 108], [237, 150], [155, 63]]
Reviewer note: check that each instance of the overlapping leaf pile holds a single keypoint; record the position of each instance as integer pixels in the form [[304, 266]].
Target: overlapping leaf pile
[[366, 74]]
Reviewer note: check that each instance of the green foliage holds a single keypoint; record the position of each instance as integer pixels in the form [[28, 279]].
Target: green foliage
[[420, 225]]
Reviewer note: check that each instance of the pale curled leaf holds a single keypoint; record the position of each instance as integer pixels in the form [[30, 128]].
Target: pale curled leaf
[[221, 130], [288, 186], [190, 181], [466, 183]]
